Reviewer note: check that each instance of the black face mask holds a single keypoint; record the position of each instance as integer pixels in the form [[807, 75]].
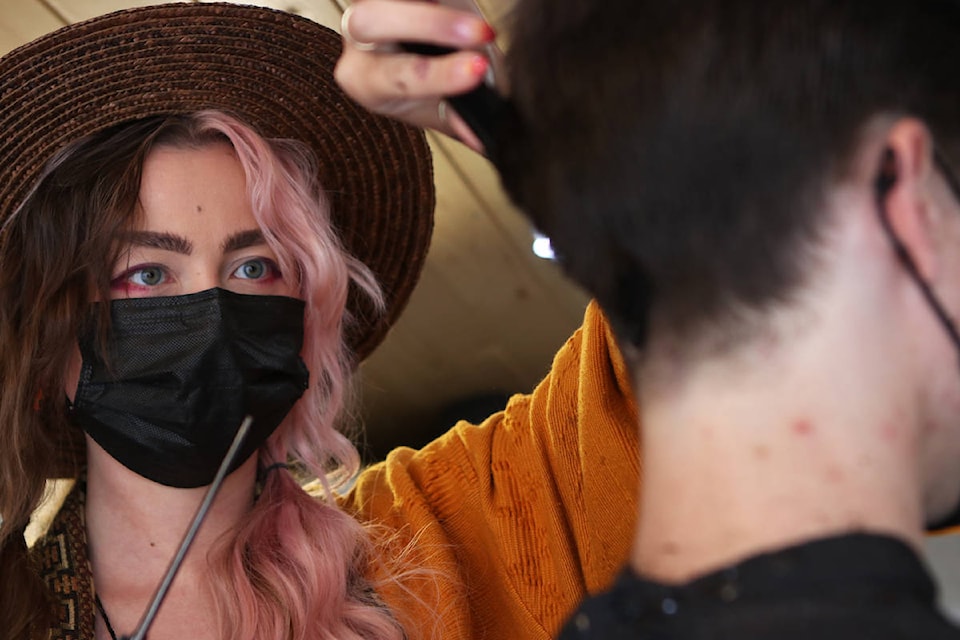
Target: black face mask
[[181, 373], [885, 181]]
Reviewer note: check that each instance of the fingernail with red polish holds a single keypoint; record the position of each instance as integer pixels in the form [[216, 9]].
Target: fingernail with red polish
[[478, 65], [488, 34]]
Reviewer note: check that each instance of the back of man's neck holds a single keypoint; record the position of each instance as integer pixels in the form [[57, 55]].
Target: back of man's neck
[[736, 469]]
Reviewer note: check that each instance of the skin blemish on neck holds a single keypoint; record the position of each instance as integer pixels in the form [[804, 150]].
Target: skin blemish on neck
[[803, 428], [761, 452], [890, 433], [670, 549], [835, 475], [199, 209]]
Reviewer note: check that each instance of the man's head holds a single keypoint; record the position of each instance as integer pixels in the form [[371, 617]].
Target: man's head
[[691, 144], [703, 165]]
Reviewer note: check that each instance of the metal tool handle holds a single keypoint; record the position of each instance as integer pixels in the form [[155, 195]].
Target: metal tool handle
[[161, 593]]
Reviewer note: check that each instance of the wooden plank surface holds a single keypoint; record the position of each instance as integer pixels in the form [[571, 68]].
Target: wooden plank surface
[[24, 20], [77, 10], [486, 318]]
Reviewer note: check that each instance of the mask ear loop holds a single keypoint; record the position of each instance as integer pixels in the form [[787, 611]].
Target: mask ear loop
[[886, 180]]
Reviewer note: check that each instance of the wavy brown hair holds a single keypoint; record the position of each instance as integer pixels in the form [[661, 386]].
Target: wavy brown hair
[[56, 252]]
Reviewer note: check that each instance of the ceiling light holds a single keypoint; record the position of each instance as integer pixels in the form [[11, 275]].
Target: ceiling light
[[541, 247]]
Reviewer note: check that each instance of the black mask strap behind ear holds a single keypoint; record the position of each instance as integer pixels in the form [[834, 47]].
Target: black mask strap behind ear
[[887, 176], [886, 180]]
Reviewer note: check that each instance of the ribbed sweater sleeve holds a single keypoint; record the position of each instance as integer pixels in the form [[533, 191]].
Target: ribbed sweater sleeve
[[504, 526]]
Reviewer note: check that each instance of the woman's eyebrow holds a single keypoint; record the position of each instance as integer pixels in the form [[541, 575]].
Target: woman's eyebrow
[[159, 240], [243, 240]]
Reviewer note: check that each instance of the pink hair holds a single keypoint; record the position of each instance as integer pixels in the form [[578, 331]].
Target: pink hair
[[296, 567]]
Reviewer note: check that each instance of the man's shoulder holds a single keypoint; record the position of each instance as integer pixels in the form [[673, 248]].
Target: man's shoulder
[[850, 587]]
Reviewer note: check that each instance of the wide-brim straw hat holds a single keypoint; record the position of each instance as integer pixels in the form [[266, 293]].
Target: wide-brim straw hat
[[271, 69]]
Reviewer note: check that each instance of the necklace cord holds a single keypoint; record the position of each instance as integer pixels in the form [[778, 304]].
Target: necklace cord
[[104, 616]]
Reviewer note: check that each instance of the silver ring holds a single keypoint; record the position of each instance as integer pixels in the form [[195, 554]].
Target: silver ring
[[442, 111], [348, 37]]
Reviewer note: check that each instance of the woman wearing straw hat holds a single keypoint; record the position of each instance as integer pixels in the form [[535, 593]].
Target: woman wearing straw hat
[[198, 226]]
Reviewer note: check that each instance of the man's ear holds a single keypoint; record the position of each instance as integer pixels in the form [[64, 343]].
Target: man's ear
[[902, 184]]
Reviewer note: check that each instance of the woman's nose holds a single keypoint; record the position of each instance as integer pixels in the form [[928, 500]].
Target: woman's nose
[[201, 278]]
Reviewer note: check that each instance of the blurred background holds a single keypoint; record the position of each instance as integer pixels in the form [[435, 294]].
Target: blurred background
[[488, 313]]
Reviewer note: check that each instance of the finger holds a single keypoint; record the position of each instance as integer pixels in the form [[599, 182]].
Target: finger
[[383, 83], [462, 131], [445, 120], [388, 22]]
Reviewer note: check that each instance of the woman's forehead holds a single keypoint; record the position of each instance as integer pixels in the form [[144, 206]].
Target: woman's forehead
[[194, 189]]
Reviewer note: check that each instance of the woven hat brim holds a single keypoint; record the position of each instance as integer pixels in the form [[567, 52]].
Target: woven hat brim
[[273, 70]]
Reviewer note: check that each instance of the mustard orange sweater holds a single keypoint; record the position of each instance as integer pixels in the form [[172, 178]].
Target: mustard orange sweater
[[506, 525]]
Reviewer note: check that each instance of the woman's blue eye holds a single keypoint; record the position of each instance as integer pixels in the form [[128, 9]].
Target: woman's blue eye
[[147, 276], [253, 269]]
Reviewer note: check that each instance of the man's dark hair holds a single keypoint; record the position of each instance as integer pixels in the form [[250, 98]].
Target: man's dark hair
[[676, 150]]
